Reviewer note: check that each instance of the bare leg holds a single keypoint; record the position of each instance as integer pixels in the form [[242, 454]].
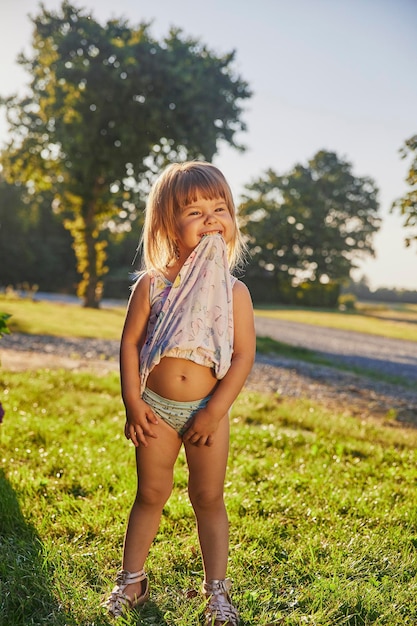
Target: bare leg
[[207, 466], [155, 466]]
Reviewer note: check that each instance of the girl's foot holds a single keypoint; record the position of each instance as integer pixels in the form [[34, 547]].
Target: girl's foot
[[138, 588], [219, 609]]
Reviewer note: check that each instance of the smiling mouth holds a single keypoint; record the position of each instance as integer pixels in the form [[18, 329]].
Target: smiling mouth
[[210, 233]]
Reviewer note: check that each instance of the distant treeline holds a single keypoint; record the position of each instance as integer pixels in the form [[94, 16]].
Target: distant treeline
[[362, 292]]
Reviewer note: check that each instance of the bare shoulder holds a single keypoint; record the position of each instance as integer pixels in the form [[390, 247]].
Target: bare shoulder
[[140, 290], [142, 281], [242, 302], [244, 321], [241, 292]]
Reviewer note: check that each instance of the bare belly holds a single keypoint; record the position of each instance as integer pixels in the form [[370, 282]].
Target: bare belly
[[181, 380]]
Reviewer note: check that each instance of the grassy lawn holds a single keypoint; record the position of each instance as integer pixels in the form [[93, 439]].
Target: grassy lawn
[[322, 512], [374, 320], [62, 320], [51, 318]]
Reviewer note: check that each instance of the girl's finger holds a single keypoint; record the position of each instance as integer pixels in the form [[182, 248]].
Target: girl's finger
[[140, 438], [149, 433], [188, 435], [151, 417]]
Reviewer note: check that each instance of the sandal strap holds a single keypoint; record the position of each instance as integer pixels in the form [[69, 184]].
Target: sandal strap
[[125, 578], [118, 601], [219, 607], [214, 587]]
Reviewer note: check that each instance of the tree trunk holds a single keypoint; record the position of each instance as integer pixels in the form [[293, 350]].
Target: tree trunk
[[90, 275]]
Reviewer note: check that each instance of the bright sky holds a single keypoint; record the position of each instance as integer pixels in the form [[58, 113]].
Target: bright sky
[[326, 74]]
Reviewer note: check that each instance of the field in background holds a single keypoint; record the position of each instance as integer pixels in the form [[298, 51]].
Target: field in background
[[52, 318], [61, 319], [395, 321]]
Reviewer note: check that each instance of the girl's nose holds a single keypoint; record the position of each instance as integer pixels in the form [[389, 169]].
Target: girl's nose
[[210, 218]]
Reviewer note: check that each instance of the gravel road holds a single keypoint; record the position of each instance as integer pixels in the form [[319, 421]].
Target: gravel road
[[353, 393], [395, 357]]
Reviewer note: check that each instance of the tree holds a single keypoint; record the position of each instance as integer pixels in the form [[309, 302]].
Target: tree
[[407, 205], [34, 246], [311, 224], [15, 253], [107, 107]]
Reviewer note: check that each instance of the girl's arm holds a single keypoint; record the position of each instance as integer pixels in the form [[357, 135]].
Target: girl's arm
[[206, 420], [139, 416]]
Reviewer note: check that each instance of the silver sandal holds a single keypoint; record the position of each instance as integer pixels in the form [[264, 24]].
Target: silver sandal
[[118, 602], [219, 609]]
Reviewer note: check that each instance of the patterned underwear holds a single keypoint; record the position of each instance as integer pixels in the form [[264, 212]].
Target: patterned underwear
[[176, 414]]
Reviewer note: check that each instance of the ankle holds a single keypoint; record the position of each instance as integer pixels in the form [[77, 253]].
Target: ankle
[[135, 589], [219, 609], [217, 586]]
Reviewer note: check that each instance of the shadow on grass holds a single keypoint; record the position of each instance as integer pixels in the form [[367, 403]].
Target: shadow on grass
[[148, 614], [26, 579], [25, 582]]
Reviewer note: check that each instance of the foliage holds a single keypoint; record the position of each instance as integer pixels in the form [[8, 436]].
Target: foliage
[[4, 330], [362, 290], [310, 224], [407, 205], [107, 107], [321, 510], [347, 301], [40, 249]]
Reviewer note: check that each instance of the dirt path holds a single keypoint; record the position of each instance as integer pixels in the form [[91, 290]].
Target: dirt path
[[387, 356], [339, 390]]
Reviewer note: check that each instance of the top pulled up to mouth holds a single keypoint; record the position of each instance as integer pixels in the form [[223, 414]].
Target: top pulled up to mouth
[[211, 233]]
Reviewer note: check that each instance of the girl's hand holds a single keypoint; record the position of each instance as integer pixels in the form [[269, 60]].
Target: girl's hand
[[202, 429], [138, 423]]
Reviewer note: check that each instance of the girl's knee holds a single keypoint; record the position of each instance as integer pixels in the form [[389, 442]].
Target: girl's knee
[[206, 498], [153, 496]]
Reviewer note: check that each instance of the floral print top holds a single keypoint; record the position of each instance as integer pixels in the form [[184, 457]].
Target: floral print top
[[192, 318]]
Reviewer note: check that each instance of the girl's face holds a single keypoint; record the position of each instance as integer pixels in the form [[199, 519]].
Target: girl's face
[[200, 218]]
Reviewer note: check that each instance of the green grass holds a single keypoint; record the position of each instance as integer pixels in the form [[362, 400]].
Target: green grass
[[267, 345], [66, 320], [322, 512], [371, 320], [62, 320]]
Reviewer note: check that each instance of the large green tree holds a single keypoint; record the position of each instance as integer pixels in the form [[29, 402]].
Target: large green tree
[[310, 225], [407, 205], [107, 107]]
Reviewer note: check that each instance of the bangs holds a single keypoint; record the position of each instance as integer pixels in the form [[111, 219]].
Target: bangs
[[181, 185], [203, 183]]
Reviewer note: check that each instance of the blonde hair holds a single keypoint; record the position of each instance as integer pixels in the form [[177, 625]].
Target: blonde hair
[[178, 186]]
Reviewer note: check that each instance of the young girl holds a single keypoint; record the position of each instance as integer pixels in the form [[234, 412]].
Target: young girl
[[187, 346]]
